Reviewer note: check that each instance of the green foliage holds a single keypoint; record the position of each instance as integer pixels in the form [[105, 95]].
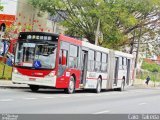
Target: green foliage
[[150, 67], [155, 77], [1, 7], [7, 72], [118, 18]]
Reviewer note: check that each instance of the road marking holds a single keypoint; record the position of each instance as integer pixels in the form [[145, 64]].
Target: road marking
[[29, 98], [6, 100], [77, 95], [142, 103], [99, 94], [49, 97], [102, 112], [90, 95], [65, 96]]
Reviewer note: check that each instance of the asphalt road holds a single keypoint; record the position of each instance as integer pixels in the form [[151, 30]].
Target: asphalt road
[[132, 100]]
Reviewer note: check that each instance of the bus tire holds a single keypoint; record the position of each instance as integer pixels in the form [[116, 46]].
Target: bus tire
[[99, 85], [34, 88], [71, 86]]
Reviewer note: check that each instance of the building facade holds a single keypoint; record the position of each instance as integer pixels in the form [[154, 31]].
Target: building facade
[[22, 16]]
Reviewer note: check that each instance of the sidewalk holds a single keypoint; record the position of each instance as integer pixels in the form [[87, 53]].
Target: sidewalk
[[9, 84], [138, 83], [141, 83]]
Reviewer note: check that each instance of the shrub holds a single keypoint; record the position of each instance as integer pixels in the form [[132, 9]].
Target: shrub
[[152, 67], [7, 72]]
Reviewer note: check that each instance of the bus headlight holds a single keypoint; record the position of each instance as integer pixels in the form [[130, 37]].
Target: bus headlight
[[15, 71], [52, 74]]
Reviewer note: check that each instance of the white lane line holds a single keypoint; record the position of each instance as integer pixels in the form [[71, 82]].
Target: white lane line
[[30, 98], [5, 100], [49, 97], [65, 96], [102, 112], [90, 95], [77, 95], [142, 103], [106, 94]]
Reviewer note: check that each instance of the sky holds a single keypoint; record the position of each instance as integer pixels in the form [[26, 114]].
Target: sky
[[10, 7]]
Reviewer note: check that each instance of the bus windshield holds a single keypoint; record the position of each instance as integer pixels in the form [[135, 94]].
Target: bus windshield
[[36, 55]]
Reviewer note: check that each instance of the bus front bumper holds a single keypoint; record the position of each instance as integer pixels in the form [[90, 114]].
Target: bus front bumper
[[41, 81]]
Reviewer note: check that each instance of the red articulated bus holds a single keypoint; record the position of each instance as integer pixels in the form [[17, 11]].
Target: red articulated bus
[[58, 61]]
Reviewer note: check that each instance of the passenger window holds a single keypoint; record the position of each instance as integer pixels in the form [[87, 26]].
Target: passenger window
[[125, 63], [91, 60], [98, 61], [63, 57], [73, 56], [104, 62]]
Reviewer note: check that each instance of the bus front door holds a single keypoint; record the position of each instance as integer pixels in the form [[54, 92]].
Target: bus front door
[[84, 66]]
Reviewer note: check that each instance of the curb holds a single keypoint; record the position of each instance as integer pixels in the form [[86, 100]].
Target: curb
[[145, 86], [13, 87]]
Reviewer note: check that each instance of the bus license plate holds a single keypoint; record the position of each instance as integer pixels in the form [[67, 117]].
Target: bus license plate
[[32, 79]]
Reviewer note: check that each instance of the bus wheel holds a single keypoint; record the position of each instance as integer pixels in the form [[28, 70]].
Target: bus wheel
[[71, 86], [34, 88], [99, 85]]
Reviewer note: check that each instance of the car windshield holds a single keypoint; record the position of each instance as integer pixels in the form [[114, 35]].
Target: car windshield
[[36, 55]]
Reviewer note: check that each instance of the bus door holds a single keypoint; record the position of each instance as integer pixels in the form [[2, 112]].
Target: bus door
[[116, 71], [84, 63], [128, 71]]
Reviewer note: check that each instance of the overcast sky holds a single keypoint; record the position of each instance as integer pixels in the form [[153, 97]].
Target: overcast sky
[[10, 7]]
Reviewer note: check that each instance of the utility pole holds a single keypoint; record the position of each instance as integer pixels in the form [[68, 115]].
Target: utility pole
[[97, 32]]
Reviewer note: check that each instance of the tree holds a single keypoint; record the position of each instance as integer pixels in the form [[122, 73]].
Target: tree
[[1, 7], [120, 20]]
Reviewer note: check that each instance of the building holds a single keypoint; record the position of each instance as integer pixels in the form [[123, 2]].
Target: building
[[22, 16], [8, 15]]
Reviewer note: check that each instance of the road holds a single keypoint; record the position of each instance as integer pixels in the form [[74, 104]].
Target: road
[[132, 100]]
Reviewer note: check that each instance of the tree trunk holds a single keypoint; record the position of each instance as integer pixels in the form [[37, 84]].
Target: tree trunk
[[137, 54], [132, 43]]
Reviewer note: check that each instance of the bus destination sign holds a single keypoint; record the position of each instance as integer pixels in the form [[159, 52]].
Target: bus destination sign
[[36, 37]]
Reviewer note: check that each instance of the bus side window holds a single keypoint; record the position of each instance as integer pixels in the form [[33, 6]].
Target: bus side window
[[91, 61], [104, 62], [73, 56], [63, 57], [98, 61], [125, 63], [120, 63]]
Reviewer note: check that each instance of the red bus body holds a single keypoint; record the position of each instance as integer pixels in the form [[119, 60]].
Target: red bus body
[[84, 78]]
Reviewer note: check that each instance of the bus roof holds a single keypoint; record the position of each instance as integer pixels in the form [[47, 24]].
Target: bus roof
[[38, 33], [119, 53], [95, 47]]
